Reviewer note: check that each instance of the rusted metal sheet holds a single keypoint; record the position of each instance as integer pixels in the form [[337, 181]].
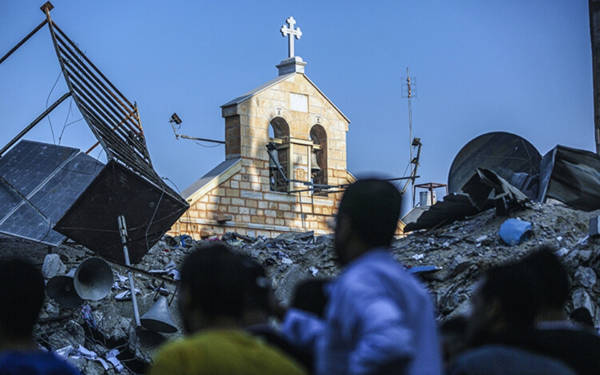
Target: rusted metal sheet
[[571, 176]]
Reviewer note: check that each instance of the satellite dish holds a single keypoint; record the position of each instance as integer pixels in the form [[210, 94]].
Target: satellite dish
[[509, 155]]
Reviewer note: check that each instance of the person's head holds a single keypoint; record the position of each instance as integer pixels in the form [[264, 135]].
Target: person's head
[[309, 295], [551, 282], [503, 304], [217, 287], [367, 218], [453, 337], [259, 300], [22, 296]]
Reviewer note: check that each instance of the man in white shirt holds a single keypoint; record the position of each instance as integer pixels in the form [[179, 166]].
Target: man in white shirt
[[379, 318]]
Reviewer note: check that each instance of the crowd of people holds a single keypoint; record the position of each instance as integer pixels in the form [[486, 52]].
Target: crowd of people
[[374, 318]]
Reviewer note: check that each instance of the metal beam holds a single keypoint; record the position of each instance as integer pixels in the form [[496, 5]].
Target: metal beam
[[200, 139], [594, 9], [16, 47], [34, 123]]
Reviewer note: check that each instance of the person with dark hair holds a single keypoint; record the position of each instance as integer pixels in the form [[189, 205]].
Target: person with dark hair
[[310, 296], [502, 305], [379, 319], [555, 336], [217, 289], [22, 296], [453, 337], [504, 311], [551, 284]]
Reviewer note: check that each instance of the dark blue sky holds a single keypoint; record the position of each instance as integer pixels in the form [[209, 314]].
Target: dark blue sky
[[521, 66]]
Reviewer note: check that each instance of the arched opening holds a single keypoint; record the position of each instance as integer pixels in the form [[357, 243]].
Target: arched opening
[[279, 133], [319, 155]]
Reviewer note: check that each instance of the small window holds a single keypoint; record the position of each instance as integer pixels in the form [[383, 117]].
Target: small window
[[279, 133], [319, 156]]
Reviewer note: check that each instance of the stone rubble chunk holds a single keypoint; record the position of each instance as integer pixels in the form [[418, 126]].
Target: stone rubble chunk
[[585, 276], [581, 298], [53, 266]]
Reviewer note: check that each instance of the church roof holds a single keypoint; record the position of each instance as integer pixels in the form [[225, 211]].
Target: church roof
[[259, 89], [209, 177]]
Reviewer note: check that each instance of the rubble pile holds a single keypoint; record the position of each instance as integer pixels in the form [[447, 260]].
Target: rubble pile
[[99, 337]]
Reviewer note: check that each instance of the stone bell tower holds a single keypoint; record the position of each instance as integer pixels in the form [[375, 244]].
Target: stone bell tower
[[285, 154]]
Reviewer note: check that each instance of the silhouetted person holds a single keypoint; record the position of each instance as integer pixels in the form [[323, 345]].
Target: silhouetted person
[[21, 299], [503, 306], [260, 306], [379, 319], [310, 296], [453, 336], [555, 335], [216, 296], [504, 310]]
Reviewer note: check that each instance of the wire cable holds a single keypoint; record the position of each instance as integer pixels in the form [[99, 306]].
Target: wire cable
[[207, 146], [65, 123], [48, 100]]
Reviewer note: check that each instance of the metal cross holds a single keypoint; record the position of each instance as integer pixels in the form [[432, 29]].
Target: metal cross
[[290, 32]]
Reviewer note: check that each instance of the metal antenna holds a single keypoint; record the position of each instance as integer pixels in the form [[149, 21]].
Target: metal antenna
[[409, 96], [414, 144]]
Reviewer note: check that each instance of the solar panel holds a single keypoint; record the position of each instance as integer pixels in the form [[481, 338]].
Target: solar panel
[[38, 183]]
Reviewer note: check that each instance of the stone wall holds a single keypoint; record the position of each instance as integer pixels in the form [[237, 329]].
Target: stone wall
[[244, 204]]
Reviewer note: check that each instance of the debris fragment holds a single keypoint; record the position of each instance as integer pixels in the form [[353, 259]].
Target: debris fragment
[[513, 231], [594, 226], [571, 176], [52, 266]]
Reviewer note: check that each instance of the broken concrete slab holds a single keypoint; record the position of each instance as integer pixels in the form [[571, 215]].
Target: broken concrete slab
[[52, 266]]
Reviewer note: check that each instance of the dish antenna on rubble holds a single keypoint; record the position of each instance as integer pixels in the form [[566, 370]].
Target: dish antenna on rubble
[[510, 156]]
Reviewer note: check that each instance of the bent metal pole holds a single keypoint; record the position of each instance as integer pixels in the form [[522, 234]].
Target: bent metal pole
[[123, 232]]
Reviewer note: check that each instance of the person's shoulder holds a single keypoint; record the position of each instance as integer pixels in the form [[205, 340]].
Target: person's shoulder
[[178, 348], [575, 334], [499, 359], [170, 358], [45, 362], [64, 367], [278, 362]]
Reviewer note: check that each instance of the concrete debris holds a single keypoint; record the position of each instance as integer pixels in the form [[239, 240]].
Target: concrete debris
[[586, 277], [595, 226], [485, 189], [52, 266], [449, 259]]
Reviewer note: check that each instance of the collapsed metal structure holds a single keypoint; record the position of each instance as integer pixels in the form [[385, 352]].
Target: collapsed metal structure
[[126, 186]]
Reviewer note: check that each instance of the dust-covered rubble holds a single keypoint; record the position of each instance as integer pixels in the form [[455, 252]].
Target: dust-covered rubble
[[461, 251]]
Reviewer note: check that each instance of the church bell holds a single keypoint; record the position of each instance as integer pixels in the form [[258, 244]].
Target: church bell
[[158, 318], [314, 163]]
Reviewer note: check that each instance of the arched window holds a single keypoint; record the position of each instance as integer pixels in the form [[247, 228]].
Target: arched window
[[279, 133], [319, 155]]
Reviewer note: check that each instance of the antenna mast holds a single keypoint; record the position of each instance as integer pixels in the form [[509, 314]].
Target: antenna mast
[[409, 95]]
